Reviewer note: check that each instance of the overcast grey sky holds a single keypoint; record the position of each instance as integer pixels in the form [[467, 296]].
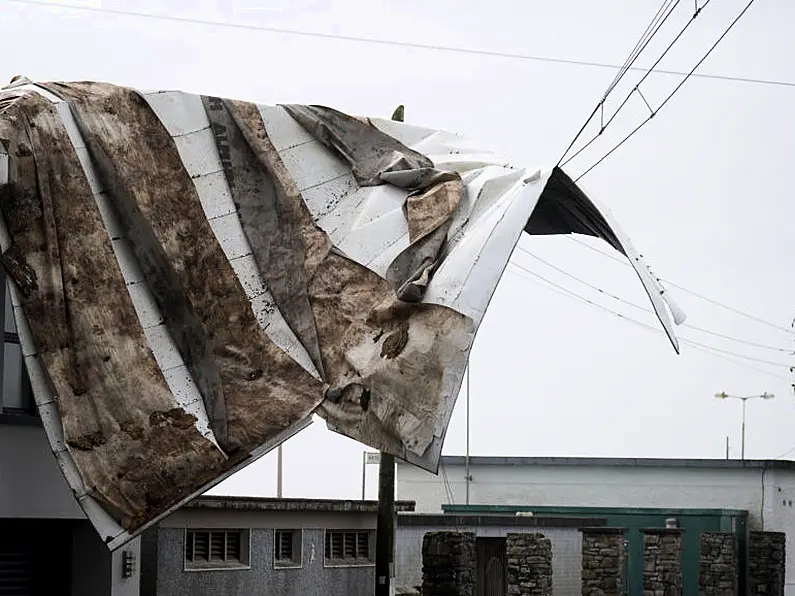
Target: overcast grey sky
[[702, 190]]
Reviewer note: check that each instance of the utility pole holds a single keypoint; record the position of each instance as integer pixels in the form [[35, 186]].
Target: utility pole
[[744, 398], [385, 528]]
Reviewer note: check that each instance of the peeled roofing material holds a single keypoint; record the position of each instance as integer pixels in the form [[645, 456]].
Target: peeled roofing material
[[194, 277]]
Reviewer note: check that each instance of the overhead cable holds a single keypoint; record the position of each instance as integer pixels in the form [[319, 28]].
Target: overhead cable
[[689, 291], [649, 311], [658, 21], [687, 341], [387, 42], [653, 112]]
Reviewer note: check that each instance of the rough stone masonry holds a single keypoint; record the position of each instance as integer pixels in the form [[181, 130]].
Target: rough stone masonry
[[448, 564], [718, 567], [662, 562], [529, 564], [603, 561], [766, 560]]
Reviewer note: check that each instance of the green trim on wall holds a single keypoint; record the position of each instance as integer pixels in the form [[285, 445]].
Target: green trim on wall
[[589, 511], [634, 519]]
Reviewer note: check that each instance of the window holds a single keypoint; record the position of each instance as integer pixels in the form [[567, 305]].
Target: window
[[17, 397], [348, 547], [216, 549], [287, 548]]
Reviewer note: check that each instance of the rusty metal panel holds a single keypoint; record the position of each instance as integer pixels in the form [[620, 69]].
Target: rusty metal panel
[[194, 278]]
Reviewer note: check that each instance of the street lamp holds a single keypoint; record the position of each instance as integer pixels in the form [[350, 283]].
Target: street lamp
[[744, 398]]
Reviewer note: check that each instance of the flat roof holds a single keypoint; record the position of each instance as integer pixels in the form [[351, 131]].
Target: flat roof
[[512, 521], [587, 511], [297, 505], [617, 462]]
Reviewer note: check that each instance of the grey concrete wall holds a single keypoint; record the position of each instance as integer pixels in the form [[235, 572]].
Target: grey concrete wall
[[149, 561], [241, 518], [31, 484], [126, 586], [566, 554], [261, 579]]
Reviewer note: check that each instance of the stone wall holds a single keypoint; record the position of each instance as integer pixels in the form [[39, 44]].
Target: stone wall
[[529, 565], [448, 564], [718, 569], [766, 556], [603, 562], [662, 562]]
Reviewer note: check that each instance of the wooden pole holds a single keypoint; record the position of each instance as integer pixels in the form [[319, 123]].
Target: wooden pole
[[385, 529]]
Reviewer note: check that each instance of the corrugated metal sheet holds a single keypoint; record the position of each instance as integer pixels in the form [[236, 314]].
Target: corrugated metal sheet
[[195, 277]]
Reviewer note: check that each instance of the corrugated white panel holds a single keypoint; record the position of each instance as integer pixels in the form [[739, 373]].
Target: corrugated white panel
[[184, 115], [283, 132]]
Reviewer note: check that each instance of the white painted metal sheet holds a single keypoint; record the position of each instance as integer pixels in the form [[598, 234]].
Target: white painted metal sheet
[[367, 224]]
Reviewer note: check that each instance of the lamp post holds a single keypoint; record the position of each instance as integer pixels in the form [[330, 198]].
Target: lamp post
[[744, 398]]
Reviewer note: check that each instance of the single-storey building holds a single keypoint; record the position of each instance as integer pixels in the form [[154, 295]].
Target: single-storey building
[[263, 546], [699, 495]]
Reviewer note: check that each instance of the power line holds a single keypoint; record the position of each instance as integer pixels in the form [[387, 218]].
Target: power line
[[387, 42], [785, 453], [564, 291], [691, 292], [657, 22], [649, 311], [688, 341], [667, 99]]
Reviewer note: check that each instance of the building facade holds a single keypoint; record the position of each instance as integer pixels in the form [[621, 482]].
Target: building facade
[[700, 495], [47, 547], [259, 547], [490, 532]]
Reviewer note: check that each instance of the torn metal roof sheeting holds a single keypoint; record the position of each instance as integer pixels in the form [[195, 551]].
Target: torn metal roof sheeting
[[194, 277]]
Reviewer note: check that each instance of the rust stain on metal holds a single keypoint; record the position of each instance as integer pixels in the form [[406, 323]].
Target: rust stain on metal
[[104, 382], [378, 389], [267, 213], [143, 159], [395, 341]]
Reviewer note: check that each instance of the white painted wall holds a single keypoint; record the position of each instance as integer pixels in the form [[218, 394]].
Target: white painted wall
[[121, 586], [765, 494], [586, 486], [31, 484], [778, 511]]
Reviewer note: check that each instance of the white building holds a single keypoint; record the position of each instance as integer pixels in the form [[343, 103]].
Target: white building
[[707, 494]]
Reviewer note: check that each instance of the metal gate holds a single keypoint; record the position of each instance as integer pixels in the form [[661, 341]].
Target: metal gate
[[491, 571]]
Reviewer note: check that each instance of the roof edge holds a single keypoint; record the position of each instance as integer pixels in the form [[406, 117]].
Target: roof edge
[[297, 504], [618, 462]]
